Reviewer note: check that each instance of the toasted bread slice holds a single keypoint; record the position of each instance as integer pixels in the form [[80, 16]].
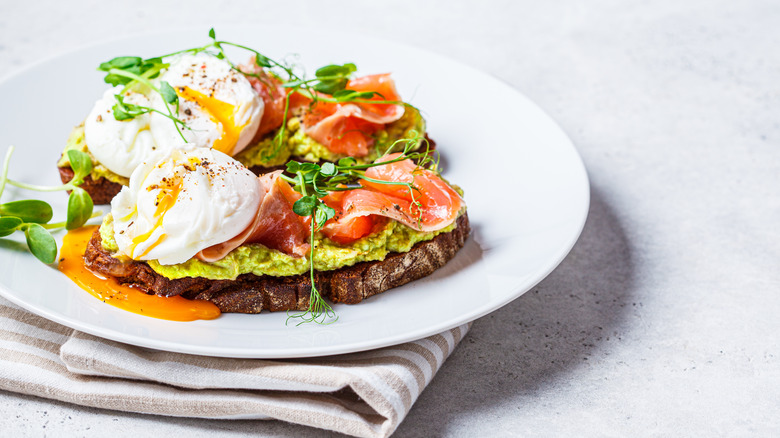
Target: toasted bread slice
[[250, 293]]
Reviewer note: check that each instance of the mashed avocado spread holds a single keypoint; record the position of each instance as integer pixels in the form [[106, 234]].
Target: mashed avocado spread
[[76, 142], [260, 260]]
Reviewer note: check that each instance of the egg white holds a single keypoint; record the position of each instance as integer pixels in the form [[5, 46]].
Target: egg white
[[123, 145], [120, 146], [214, 78], [217, 200]]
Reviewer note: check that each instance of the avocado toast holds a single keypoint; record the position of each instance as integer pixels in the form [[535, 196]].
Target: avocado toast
[[195, 225]]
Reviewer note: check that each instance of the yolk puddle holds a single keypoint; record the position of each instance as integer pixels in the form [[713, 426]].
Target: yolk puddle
[[124, 297], [222, 112]]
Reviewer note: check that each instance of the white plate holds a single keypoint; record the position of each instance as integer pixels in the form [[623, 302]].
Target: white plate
[[525, 186]]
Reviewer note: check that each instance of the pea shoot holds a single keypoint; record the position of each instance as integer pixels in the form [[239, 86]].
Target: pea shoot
[[32, 216]]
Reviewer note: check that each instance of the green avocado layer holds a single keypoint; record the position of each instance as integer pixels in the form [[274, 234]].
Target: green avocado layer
[[259, 260]]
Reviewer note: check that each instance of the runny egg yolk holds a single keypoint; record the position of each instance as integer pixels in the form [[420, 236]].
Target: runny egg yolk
[[222, 113], [166, 199], [110, 291]]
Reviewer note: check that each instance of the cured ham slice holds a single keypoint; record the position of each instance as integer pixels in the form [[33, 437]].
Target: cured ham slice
[[429, 206], [275, 226], [346, 128], [273, 94]]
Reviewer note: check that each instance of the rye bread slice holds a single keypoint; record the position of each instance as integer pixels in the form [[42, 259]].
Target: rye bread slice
[[250, 293]]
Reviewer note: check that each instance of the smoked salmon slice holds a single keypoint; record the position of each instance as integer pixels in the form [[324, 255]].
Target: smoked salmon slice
[[344, 128], [430, 205], [347, 128]]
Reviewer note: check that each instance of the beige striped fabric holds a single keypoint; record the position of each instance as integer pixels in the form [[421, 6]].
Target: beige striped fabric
[[363, 394]]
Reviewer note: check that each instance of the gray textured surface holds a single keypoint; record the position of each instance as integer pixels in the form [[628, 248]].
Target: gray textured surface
[[664, 318]]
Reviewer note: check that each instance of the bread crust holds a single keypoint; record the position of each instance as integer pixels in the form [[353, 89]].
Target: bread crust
[[250, 293]]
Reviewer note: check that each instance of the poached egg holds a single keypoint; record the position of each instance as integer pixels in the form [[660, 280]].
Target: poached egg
[[218, 105], [186, 202]]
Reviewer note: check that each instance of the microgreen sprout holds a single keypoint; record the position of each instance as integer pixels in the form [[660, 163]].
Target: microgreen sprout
[[32, 216]]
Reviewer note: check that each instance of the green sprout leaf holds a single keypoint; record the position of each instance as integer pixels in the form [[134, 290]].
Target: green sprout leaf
[[153, 63], [309, 167], [128, 63], [293, 166], [262, 61], [322, 214], [345, 94], [79, 208], [328, 70], [336, 70], [212, 34], [8, 225], [41, 243], [120, 114], [331, 86], [347, 162], [80, 162], [328, 169], [348, 95], [28, 210], [305, 206], [168, 93], [117, 80], [121, 63], [125, 111], [333, 78]]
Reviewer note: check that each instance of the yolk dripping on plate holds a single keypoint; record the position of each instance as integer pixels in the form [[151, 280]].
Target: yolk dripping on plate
[[124, 297]]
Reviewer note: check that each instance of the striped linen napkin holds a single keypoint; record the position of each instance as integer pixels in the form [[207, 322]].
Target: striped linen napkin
[[364, 394]]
